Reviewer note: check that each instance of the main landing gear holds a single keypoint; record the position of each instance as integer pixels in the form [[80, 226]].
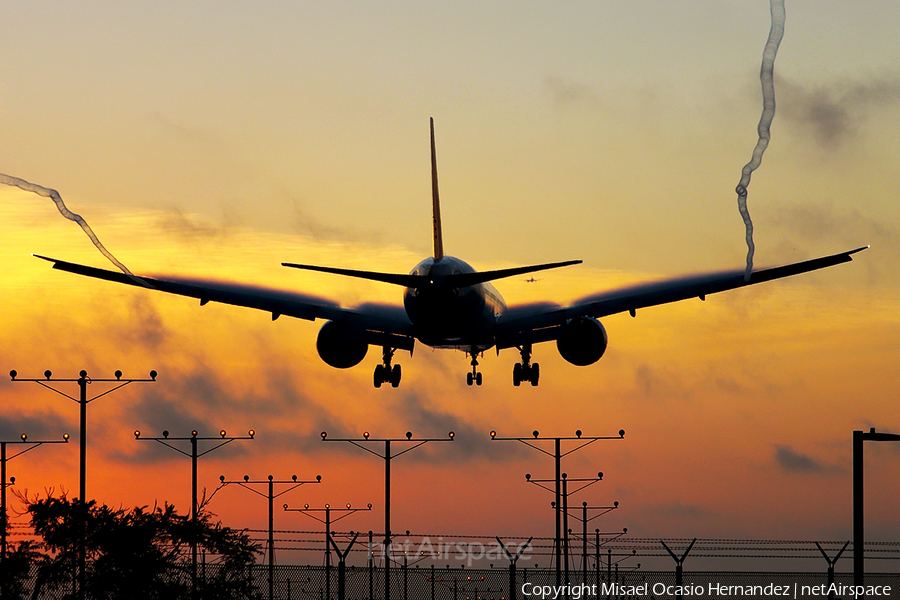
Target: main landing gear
[[385, 373], [474, 376], [525, 370]]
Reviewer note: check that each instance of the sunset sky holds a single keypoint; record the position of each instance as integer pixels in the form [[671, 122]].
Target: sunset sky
[[217, 140]]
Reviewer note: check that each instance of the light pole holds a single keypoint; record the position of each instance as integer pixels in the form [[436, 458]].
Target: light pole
[[859, 523], [557, 455], [387, 456], [25, 446], [609, 538], [584, 523], [270, 496], [327, 521], [610, 563], [565, 507], [83, 381], [165, 440]]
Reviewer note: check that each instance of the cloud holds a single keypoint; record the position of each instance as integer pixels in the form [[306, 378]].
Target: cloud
[[472, 439], [174, 221], [569, 94], [304, 223], [823, 223], [834, 111], [205, 401], [145, 324], [792, 461], [659, 383], [46, 425], [814, 221], [728, 384]]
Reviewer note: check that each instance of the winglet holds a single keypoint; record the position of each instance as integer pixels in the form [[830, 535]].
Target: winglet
[[127, 278], [436, 203]]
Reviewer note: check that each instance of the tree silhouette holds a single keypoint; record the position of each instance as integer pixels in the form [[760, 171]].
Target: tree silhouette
[[141, 553]]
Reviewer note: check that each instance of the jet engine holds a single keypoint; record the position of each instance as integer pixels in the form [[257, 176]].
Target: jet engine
[[583, 341], [338, 349]]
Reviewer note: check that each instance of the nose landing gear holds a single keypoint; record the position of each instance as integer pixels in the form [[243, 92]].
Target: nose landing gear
[[474, 376], [385, 373], [526, 370]]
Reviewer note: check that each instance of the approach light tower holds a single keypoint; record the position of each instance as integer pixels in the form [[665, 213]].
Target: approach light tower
[[329, 541], [165, 440], [271, 482], [387, 456], [24, 446], [584, 532], [585, 482], [557, 455], [83, 381]]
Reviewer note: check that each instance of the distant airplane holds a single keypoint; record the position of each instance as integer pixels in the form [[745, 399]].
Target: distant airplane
[[530, 280], [447, 304]]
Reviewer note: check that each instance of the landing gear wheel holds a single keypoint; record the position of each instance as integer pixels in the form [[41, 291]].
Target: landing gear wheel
[[470, 379], [385, 373], [526, 370], [477, 378]]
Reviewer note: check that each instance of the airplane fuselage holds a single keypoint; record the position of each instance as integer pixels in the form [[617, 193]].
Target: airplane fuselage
[[448, 316]]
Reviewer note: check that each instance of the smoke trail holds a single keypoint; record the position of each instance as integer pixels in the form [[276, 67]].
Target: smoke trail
[[766, 78], [64, 211]]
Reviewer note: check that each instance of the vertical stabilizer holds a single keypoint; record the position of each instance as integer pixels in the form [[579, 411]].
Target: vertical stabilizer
[[436, 203]]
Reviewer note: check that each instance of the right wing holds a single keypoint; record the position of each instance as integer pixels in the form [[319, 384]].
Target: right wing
[[544, 322], [376, 324]]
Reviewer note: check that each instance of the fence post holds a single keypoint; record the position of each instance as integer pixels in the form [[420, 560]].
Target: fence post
[[405, 577], [371, 565]]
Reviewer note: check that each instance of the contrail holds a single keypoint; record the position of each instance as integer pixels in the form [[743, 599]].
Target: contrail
[[64, 211], [766, 78]]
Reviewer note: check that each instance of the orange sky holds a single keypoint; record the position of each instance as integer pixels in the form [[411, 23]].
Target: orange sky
[[738, 411], [221, 144]]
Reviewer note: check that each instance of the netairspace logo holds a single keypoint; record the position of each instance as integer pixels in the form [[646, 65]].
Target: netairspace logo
[[467, 552]]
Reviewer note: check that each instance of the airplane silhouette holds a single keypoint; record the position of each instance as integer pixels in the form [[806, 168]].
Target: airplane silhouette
[[448, 304]]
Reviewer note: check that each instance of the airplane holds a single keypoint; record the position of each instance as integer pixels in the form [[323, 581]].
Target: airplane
[[448, 304]]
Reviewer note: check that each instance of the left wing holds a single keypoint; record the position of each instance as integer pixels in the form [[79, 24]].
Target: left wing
[[541, 323], [377, 324]]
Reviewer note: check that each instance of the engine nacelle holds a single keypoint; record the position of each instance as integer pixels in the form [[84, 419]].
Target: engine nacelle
[[583, 341], [337, 349]]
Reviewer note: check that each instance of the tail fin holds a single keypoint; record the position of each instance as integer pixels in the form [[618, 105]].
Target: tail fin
[[436, 203]]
